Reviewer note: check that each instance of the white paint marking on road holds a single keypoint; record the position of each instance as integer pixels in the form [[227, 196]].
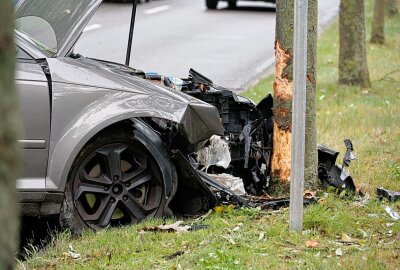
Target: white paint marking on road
[[156, 10], [92, 27], [220, 37], [267, 64]]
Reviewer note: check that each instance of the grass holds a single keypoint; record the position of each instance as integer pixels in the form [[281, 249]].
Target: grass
[[253, 239]]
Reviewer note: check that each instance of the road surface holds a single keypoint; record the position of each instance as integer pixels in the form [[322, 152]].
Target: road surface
[[232, 47]]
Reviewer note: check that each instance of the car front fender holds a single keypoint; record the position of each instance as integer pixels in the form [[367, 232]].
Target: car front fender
[[79, 113]]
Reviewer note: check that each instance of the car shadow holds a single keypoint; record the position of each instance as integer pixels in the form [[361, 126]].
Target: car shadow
[[35, 234]]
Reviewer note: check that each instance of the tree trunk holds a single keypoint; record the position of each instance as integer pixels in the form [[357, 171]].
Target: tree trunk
[[311, 156], [283, 93], [8, 145], [391, 8], [353, 68], [378, 23]]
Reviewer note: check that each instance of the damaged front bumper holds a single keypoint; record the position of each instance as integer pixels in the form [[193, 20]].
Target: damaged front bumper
[[243, 149]]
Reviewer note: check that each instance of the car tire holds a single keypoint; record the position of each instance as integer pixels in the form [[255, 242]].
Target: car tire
[[212, 4], [115, 180], [232, 4]]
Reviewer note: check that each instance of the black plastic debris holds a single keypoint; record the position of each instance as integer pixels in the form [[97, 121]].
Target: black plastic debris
[[333, 175], [392, 196]]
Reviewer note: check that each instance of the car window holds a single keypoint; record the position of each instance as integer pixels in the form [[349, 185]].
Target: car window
[[22, 55], [39, 32]]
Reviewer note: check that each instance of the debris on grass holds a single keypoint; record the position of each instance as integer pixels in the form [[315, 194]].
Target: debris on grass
[[174, 255], [71, 253], [393, 214], [175, 227], [346, 238], [392, 196], [339, 252]]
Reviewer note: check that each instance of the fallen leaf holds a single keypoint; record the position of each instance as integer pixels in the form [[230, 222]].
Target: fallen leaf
[[322, 201], [237, 228], [308, 194], [261, 236], [230, 239], [218, 209], [312, 243], [346, 238], [225, 221]]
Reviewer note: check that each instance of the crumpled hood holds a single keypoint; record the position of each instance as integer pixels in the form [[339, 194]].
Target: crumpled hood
[[198, 120]]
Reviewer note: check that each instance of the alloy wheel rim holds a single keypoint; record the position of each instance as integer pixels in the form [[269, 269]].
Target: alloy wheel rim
[[117, 184]]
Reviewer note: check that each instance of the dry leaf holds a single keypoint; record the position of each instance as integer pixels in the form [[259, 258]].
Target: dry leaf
[[346, 238], [230, 239], [312, 243], [339, 252], [218, 209], [225, 221], [308, 194], [322, 201]]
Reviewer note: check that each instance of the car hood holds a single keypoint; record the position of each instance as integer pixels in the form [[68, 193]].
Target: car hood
[[67, 19], [198, 120]]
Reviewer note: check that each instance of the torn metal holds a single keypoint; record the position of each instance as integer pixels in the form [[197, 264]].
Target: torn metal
[[243, 151], [392, 196], [334, 175]]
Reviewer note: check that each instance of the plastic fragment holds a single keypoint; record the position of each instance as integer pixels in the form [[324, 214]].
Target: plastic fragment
[[394, 215]]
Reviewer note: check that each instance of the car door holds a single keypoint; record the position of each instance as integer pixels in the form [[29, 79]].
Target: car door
[[34, 105]]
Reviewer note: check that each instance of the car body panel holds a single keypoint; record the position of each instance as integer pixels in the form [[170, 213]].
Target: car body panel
[[35, 114], [67, 18], [87, 98]]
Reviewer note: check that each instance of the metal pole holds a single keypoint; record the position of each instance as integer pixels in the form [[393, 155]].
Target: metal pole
[[131, 28], [298, 115]]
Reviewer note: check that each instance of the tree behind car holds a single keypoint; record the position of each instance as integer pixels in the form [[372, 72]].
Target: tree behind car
[[353, 68]]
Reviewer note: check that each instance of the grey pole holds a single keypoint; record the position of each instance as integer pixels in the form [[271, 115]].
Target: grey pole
[[298, 115]]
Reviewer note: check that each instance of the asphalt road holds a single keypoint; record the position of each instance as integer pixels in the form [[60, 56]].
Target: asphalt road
[[232, 47]]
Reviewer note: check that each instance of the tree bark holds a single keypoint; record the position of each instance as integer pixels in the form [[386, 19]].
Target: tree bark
[[391, 8], [283, 93], [311, 154], [353, 68], [378, 23], [9, 225]]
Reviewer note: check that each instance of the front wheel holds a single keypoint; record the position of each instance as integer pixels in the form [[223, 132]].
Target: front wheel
[[114, 181], [211, 4]]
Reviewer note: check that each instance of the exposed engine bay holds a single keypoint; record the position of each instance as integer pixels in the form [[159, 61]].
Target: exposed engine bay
[[243, 152]]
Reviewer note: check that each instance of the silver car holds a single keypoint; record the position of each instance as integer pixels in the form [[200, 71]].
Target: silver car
[[93, 146]]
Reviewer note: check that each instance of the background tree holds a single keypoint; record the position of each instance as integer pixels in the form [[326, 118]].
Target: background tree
[[378, 23], [283, 93], [391, 7], [8, 145], [353, 68]]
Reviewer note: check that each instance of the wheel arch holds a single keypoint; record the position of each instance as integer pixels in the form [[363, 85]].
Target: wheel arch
[[68, 148]]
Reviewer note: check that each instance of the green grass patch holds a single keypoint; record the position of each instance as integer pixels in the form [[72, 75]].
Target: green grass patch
[[349, 234]]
